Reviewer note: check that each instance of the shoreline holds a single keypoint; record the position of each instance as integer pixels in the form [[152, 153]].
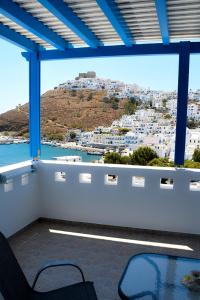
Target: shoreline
[[67, 145], [74, 146]]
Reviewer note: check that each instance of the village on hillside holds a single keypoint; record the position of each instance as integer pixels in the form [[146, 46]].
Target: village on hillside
[[150, 119], [152, 124]]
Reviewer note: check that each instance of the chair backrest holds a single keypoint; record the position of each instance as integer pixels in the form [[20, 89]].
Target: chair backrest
[[13, 284]]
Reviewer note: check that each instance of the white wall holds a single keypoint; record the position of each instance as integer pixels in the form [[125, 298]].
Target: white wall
[[19, 201], [149, 207]]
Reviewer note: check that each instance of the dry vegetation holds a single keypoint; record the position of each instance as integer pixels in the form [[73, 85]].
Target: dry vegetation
[[62, 109]]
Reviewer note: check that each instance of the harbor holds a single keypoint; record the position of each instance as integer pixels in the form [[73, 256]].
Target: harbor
[[13, 153]]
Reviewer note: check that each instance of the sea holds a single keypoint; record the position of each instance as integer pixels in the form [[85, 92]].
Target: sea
[[13, 153]]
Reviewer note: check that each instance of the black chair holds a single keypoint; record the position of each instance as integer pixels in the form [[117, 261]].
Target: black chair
[[14, 286]]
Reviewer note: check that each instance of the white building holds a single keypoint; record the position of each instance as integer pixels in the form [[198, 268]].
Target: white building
[[193, 111], [172, 106]]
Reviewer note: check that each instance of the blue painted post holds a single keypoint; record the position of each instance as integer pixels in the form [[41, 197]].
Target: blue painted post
[[181, 119], [34, 105]]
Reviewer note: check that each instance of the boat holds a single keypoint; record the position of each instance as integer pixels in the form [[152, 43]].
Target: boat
[[94, 153]]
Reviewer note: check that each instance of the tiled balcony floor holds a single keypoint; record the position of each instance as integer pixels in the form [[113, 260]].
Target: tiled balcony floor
[[102, 261]]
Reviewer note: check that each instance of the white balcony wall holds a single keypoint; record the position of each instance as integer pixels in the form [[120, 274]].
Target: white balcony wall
[[145, 203], [19, 199], [130, 196]]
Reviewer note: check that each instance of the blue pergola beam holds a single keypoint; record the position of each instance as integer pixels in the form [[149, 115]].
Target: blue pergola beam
[[161, 9], [17, 14], [66, 15], [34, 105], [18, 39], [110, 12], [111, 51], [182, 101]]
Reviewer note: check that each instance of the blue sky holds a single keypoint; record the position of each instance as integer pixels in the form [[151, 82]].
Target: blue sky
[[156, 72]]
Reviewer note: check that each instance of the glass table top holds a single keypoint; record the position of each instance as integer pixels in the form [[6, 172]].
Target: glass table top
[[157, 277]]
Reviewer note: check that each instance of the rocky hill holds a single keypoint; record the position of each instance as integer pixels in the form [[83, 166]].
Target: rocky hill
[[63, 109]]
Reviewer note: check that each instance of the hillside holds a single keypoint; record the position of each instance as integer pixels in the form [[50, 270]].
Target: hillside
[[62, 109]]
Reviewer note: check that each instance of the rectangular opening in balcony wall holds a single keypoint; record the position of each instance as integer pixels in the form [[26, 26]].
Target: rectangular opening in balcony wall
[[60, 176], [111, 179], [24, 179], [8, 186], [166, 183], [138, 181], [195, 185], [85, 178]]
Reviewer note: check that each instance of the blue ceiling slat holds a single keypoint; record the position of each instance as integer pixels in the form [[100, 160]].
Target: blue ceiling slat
[[18, 39], [27, 21], [112, 12], [161, 8], [65, 14]]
